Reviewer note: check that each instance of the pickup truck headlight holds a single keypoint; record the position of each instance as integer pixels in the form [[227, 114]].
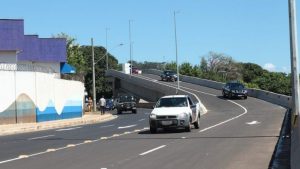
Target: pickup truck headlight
[[152, 116], [182, 115]]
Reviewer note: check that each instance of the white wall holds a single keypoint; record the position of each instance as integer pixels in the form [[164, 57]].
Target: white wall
[[44, 89]]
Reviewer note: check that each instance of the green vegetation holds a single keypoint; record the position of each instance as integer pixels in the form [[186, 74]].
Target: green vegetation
[[222, 68]]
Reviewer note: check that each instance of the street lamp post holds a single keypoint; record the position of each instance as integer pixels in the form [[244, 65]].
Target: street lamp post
[[94, 63], [175, 31], [106, 30], [94, 88], [294, 58], [130, 48]]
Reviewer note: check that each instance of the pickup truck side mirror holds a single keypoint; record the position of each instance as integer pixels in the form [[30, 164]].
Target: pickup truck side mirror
[[193, 106]]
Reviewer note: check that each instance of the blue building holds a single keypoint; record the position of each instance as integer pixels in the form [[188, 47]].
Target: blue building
[[15, 47]]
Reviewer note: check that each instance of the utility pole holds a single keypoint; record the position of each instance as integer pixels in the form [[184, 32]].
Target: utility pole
[[130, 48], [94, 88], [106, 30], [294, 58], [176, 52]]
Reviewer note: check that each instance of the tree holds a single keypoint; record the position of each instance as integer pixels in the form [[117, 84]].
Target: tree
[[186, 69], [74, 57], [171, 66], [203, 65], [196, 71], [275, 82], [251, 72], [219, 67]]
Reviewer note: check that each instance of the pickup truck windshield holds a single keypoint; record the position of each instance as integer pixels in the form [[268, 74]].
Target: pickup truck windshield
[[127, 99], [172, 102]]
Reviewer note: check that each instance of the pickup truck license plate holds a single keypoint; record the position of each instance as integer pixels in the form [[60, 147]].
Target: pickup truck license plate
[[166, 123]]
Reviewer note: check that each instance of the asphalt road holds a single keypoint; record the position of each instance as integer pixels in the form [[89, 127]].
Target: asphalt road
[[234, 134]]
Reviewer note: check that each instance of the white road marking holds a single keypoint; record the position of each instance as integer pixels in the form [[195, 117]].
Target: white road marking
[[67, 129], [226, 121], [35, 138], [50, 150], [157, 148], [23, 156], [125, 127], [142, 119], [107, 126], [10, 160], [253, 122]]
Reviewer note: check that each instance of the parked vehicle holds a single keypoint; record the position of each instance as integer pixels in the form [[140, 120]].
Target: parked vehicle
[[169, 75], [109, 104], [234, 89], [126, 103], [175, 111]]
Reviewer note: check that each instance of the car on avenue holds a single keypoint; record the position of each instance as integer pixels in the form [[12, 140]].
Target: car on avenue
[[169, 75], [126, 103], [175, 111], [234, 90]]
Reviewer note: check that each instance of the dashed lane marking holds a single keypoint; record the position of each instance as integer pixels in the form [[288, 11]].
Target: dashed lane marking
[[68, 129], [35, 138], [107, 126], [125, 127], [150, 151]]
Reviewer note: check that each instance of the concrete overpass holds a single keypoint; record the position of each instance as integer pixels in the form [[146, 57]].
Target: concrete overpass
[[149, 87]]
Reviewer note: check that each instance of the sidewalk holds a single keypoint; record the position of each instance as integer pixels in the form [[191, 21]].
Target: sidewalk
[[31, 127]]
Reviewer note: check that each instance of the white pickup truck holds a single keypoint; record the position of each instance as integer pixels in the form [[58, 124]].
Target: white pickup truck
[[175, 111]]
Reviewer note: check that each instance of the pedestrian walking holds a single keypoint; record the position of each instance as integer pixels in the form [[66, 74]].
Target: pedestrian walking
[[102, 105], [90, 104]]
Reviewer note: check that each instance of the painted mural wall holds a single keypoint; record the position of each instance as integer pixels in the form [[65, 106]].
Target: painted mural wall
[[37, 97]]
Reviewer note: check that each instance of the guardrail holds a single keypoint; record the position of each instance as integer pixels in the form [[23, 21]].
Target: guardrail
[[271, 97]]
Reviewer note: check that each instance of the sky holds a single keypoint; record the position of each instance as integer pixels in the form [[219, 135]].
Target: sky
[[255, 31]]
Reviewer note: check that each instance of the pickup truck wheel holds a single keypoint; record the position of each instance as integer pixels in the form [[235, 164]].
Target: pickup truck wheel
[[134, 111], [153, 130], [173, 79], [197, 123], [119, 112], [230, 96], [245, 97]]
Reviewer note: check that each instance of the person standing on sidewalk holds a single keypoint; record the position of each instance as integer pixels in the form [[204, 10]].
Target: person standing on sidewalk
[[102, 105]]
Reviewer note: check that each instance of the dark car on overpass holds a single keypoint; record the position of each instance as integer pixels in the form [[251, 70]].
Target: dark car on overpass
[[234, 90], [169, 75]]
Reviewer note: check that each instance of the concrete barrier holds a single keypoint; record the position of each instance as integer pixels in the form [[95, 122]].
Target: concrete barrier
[[271, 97], [295, 146]]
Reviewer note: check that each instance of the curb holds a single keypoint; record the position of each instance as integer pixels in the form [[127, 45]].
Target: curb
[[57, 124]]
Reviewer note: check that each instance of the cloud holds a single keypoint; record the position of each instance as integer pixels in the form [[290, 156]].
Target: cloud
[[270, 67]]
